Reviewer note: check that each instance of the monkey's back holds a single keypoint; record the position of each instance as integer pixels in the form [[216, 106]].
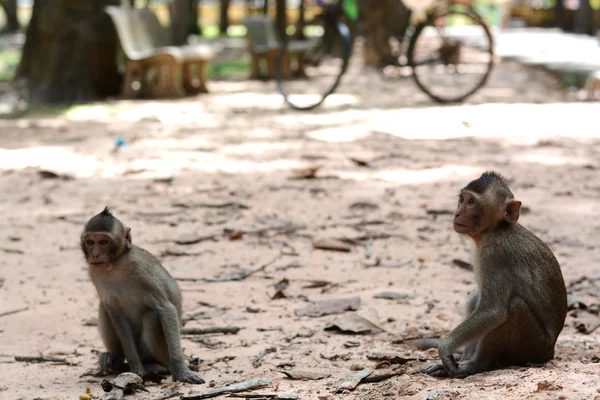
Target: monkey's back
[[535, 274]]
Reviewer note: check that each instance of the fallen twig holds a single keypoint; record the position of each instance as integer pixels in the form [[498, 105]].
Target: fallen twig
[[261, 231], [232, 204], [278, 396], [401, 263], [368, 247], [41, 359], [237, 387], [13, 311], [228, 330], [11, 251], [256, 359], [167, 396], [237, 276]]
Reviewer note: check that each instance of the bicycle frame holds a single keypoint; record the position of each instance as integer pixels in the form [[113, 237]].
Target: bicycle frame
[[336, 11]]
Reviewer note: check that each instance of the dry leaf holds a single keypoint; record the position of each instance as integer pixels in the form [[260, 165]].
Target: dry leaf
[[392, 358], [391, 296], [306, 173], [328, 307], [350, 382], [356, 323], [332, 244], [586, 322], [280, 289], [462, 264], [316, 284], [236, 236], [360, 163], [306, 374]]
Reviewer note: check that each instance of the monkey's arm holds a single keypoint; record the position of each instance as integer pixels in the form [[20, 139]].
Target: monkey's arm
[[480, 322], [127, 340]]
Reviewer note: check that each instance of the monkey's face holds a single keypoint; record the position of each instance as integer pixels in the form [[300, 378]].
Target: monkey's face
[[470, 217], [99, 248]]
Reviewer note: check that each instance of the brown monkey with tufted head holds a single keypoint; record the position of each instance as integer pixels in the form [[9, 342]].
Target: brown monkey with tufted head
[[519, 309], [140, 303]]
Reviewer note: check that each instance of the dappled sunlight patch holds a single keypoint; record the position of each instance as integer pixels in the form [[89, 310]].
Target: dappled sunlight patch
[[196, 142], [56, 159], [408, 177], [550, 159], [258, 147], [167, 112], [175, 162], [261, 133], [249, 100], [322, 119], [340, 134], [535, 121]]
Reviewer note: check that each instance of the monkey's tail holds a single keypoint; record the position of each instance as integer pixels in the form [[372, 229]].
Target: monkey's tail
[[427, 343]]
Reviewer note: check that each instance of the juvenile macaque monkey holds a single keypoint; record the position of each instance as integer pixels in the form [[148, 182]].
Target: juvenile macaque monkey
[[140, 303], [519, 309]]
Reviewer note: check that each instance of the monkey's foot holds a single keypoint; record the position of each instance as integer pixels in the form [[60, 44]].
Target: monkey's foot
[[112, 362], [154, 368], [436, 370], [188, 377]]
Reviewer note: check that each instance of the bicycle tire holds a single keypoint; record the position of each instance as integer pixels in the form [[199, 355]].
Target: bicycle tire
[[420, 29], [333, 29]]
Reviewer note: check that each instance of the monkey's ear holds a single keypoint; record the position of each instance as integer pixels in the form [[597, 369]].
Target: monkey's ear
[[128, 241], [512, 210]]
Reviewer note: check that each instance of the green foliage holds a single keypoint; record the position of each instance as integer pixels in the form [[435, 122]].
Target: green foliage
[[9, 61], [237, 67]]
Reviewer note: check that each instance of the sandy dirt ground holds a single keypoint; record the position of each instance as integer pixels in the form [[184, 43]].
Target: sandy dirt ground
[[199, 169]]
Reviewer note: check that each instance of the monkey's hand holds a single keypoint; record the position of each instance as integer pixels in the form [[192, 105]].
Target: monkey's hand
[[185, 375], [434, 369], [449, 362]]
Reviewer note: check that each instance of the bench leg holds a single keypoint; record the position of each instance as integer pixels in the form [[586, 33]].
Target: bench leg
[[255, 66], [271, 56], [195, 85], [134, 72], [167, 81]]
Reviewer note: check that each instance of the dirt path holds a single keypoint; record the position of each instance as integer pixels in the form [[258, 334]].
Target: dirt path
[[186, 159]]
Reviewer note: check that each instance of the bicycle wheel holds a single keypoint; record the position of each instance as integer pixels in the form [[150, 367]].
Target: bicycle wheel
[[310, 70], [451, 55]]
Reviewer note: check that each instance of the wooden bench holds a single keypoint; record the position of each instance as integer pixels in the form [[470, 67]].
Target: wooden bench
[[152, 67], [263, 45]]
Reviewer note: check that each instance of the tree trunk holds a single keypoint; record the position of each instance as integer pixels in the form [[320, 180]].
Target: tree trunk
[[281, 19], [70, 53], [265, 7], [179, 12], [381, 19], [560, 12], [583, 18], [10, 9], [194, 27], [223, 16]]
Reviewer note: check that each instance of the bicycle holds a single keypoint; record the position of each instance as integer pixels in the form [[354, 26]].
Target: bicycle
[[455, 41]]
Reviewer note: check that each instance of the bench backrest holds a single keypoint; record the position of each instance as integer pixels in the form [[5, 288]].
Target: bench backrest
[[261, 33], [138, 28]]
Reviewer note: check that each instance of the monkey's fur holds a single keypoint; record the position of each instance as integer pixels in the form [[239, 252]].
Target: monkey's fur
[[140, 303], [519, 309]]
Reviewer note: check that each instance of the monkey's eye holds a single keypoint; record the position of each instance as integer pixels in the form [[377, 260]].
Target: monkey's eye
[[89, 242], [471, 201], [103, 242], [461, 198]]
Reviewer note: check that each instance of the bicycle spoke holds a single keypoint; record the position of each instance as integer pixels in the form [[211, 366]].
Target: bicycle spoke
[[451, 62]]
